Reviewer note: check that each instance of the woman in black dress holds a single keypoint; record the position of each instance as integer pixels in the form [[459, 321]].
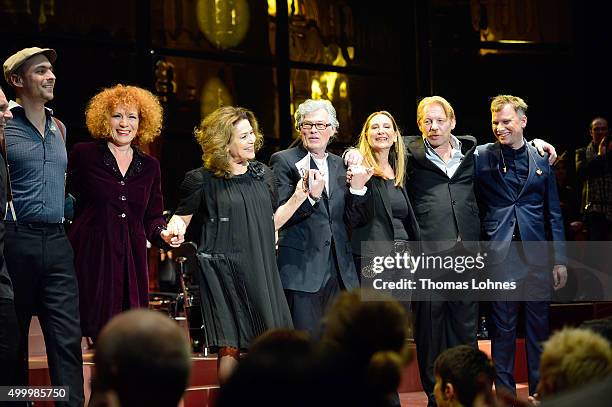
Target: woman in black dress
[[236, 199]]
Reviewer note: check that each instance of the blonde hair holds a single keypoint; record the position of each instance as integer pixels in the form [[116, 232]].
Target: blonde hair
[[430, 100], [499, 101], [396, 155], [215, 133], [100, 108], [573, 357]]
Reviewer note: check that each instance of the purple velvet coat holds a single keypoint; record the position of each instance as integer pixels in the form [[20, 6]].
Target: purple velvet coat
[[114, 217]]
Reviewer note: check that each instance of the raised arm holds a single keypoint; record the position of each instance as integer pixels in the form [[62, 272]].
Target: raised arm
[[286, 210], [287, 186]]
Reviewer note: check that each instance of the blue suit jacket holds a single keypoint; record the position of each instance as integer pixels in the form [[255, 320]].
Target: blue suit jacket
[[535, 209], [304, 242]]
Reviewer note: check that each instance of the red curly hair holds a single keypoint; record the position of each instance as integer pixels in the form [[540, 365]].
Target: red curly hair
[[101, 106]]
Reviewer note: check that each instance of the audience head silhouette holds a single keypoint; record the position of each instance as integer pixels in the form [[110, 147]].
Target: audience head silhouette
[[142, 358]]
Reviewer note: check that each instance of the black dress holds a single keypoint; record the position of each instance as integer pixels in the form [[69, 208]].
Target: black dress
[[240, 288]]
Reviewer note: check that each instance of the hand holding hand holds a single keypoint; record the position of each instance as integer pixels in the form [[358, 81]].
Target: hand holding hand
[[358, 175], [172, 239], [316, 184], [559, 276], [174, 234], [352, 157]]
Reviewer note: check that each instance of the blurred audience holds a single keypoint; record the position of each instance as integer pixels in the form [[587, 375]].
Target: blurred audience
[[594, 169], [602, 326], [364, 348], [597, 394], [571, 359], [276, 371], [462, 373], [142, 359]]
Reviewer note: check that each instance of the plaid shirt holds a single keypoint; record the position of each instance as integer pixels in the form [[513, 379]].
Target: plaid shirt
[[596, 173]]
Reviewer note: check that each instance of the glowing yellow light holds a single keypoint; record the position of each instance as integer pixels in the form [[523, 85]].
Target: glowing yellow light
[[351, 52], [224, 23], [272, 7], [315, 89], [343, 90], [214, 95], [330, 83], [515, 42], [339, 61]]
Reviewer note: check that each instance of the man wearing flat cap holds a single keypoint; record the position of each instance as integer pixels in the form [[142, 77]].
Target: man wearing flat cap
[[38, 255]]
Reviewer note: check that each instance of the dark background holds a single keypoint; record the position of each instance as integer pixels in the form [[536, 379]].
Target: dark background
[[403, 51]]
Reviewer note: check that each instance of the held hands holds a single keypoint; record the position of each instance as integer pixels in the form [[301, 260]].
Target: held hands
[[315, 183], [171, 239], [543, 148], [352, 156], [358, 175], [559, 276], [174, 234]]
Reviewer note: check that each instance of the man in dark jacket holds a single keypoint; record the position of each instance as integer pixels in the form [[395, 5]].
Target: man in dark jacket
[[440, 172], [315, 258]]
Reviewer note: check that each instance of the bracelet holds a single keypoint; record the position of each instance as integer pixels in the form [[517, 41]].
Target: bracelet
[[317, 199]]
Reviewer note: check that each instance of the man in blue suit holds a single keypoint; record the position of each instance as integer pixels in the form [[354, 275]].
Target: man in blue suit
[[315, 258], [519, 203]]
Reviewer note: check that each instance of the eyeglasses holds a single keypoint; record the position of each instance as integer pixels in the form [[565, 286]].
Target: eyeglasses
[[319, 126]]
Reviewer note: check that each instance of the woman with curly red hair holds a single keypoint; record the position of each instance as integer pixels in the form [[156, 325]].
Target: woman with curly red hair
[[118, 204]]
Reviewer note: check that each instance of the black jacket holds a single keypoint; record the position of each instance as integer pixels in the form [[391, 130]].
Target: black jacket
[[445, 208]]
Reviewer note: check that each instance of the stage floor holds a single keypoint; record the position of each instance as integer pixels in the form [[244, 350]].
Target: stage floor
[[203, 385]]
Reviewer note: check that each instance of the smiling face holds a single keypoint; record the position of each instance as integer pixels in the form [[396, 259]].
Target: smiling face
[[315, 141], [35, 79], [241, 147], [435, 126], [508, 125], [381, 133], [123, 124]]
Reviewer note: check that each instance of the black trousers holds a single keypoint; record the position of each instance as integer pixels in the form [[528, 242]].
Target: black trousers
[[40, 262], [9, 342], [307, 309], [440, 325]]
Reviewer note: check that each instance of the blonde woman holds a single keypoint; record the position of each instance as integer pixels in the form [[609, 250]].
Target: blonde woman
[[388, 221]]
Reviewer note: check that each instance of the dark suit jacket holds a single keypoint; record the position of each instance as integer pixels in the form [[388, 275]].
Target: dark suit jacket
[[445, 208], [6, 287], [535, 209], [376, 218], [305, 241]]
